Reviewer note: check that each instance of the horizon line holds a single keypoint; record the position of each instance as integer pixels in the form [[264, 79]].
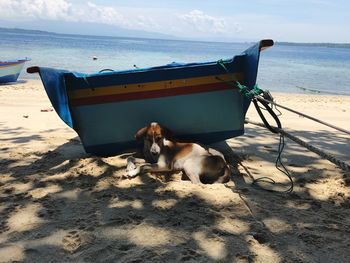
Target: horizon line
[[176, 38]]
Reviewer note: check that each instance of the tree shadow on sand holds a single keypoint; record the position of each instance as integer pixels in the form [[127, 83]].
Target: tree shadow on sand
[[66, 206]]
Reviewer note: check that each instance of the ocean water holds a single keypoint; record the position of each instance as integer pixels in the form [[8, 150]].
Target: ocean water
[[296, 68]]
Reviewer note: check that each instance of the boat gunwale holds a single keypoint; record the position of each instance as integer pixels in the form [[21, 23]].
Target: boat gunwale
[[166, 67]]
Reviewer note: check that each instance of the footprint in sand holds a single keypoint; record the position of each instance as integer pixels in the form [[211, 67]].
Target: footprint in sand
[[190, 255], [126, 247], [89, 221], [4, 227], [87, 224], [136, 219], [261, 237], [245, 258], [51, 208], [72, 241]]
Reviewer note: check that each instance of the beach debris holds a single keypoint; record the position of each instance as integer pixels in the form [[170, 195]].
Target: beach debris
[[25, 116], [46, 110], [309, 90]]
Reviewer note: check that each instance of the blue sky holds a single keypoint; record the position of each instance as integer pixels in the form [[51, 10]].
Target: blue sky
[[221, 20]]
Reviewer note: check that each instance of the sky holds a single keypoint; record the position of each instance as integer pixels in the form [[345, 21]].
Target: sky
[[214, 20]]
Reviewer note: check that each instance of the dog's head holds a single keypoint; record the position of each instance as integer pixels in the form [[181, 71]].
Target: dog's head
[[153, 136]]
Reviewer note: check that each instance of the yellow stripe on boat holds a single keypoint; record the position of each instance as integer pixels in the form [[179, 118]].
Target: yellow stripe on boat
[[153, 86]]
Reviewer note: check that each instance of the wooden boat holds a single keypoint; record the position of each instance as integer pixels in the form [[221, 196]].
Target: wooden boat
[[197, 101], [10, 70]]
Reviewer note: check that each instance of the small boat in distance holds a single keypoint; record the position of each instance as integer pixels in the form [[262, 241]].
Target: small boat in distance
[[10, 69]]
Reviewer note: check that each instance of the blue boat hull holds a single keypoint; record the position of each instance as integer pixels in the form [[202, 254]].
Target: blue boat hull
[[197, 101], [10, 70], [9, 78]]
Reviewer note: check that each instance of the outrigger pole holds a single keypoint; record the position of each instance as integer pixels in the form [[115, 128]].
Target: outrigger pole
[[340, 163], [265, 99]]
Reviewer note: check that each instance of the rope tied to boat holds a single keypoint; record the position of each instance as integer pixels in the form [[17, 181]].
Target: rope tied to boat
[[254, 94], [257, 95], [221, 63], [250, 93]]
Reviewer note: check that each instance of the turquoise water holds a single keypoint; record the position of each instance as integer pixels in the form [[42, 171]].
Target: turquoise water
[[284, 67]]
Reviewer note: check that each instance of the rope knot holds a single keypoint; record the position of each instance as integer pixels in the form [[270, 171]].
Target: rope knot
[[244, 90], [249, 93]]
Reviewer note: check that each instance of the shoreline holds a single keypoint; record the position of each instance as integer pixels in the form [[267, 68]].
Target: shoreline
[[59, 203]]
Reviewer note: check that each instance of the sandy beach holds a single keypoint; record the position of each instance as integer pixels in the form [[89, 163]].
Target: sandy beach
[[59, 204]]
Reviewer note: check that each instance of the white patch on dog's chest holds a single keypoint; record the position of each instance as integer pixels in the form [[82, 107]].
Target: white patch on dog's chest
[[162, 161], [166, 142]]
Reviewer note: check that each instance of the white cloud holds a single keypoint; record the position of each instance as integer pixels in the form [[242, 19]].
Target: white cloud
[[204, 23], [195, 23], [43, 9], [200, 24], [99, 14], [67, 11]]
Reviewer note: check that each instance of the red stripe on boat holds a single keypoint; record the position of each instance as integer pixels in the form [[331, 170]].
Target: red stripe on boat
[[150, 94]]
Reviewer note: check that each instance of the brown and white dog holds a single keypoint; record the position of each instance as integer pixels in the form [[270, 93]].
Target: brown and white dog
[[163, 154]]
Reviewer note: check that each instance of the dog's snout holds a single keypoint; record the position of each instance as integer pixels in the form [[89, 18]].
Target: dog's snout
[[155, 149]]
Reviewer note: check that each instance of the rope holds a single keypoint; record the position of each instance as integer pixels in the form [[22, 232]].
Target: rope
[[306, 116], [247, 92], [106, 69], [254, 95], [221, 63], [272, 113], [256, 91], [278, 163], [340, 163], [266, 98]]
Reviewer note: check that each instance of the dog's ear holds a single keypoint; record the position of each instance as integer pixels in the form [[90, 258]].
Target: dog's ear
[[167, 133], [141, 133]]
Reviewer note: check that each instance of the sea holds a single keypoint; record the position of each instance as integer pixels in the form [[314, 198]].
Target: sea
[[285, 67]]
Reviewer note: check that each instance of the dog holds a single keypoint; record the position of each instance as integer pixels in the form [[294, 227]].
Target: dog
[[164, 154]]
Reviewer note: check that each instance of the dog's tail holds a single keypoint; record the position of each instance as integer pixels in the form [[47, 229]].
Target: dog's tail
[[226, 175], [214, 170]]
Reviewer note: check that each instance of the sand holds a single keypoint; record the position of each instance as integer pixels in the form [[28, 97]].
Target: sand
[[59, 204]]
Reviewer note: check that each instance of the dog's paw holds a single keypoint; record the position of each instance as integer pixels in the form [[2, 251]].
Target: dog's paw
[[130, 167], [131, 173], [130, 164]]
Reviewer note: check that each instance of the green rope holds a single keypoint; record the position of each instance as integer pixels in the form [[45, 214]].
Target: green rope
[[86, 80], [249, 93], [221, 63]]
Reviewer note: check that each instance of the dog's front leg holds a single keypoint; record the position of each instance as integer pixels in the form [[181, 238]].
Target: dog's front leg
[[147, 167], [155, 168]]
